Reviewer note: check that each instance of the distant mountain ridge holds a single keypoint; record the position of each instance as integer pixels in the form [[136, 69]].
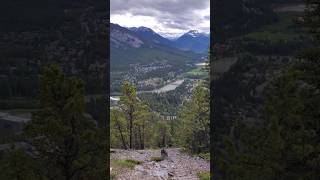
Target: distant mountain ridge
[[143, 46], [192, 40], [150, 34]]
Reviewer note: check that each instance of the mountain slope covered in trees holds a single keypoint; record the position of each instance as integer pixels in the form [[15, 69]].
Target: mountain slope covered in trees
[[129, 47], [269, 127]]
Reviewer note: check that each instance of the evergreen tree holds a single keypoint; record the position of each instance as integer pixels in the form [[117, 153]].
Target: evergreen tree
[[18, 165], [118, 130], [142, 124], [194, 119], [162, 134], [130, 120], [68, 145], [286, 144], [312, 18], [128, 105]]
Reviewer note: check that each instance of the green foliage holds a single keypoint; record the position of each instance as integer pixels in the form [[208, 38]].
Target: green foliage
[[130, 121], [197, 73], [68, 144], [246, 17], [283, 29], [28, 28], [162, 136], [260, 156], [194, 122], [120, 59], [285, 146], [168, 102], [205, 156], [18, 165], [118, 129], [96, 107], [312, 18], [204, 175]]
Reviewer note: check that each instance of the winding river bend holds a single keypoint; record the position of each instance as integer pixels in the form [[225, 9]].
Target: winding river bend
[[169, 87]]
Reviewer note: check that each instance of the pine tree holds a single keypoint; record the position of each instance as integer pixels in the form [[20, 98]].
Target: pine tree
[[16, 164], [128, 104], [118, 129], [312, 18], [286, 145], [142, 124], [195, 121], [67, 143], [137, 115]]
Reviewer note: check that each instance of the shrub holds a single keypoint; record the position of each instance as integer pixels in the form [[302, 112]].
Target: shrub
[[205, 175]]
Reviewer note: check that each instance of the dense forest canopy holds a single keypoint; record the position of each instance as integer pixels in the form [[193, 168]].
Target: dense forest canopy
[[60, 141], [235, 17], [270, 127], [19, 15]]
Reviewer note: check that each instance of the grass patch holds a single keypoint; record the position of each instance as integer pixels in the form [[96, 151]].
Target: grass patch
[[205, 175], [196, 73], [157, 159], [127, 163]]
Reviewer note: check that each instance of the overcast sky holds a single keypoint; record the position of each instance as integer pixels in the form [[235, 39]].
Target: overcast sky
[[170, 18]]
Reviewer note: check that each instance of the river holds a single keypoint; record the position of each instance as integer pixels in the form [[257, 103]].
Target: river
[[169, 87]]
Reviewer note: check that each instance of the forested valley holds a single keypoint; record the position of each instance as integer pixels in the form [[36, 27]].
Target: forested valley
[[269, 127], [143, 125], [53, 82]]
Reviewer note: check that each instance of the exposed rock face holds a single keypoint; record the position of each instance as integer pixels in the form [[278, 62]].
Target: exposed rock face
[[120, 38], [178, 166]]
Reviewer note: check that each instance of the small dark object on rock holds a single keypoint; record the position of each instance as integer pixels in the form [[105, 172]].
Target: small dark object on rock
[[164, 154], [170, 174]]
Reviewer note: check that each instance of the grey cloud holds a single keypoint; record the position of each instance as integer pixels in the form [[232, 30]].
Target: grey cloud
[[177, 14], [170, 6]]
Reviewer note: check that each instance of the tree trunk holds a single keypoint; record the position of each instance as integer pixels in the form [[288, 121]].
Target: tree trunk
[[140, 138], [124, 144], [163, 137], [143, 135], [130, 126]]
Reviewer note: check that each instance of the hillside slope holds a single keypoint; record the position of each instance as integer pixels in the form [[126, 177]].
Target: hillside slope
[[128, 47]]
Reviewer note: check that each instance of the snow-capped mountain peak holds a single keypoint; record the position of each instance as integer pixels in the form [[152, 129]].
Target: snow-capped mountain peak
[[195, 33]]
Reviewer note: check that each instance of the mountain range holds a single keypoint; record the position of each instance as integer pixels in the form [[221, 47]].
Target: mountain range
[[192, 40], [143, 45]]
